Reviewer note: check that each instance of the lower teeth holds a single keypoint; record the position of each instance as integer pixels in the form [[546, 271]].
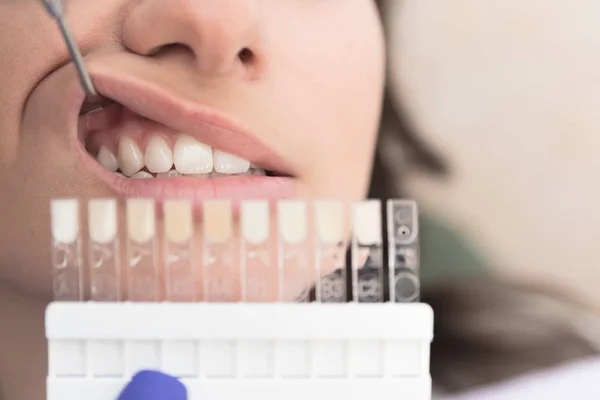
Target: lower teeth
[[174, 174]]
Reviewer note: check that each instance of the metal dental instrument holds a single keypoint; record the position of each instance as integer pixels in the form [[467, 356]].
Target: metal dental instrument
[[56, 10]]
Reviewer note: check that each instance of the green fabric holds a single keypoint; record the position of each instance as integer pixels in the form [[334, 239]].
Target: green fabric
[[446, 253]]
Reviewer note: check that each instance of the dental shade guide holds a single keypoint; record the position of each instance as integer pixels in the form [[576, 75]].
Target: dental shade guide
[[225, 314]]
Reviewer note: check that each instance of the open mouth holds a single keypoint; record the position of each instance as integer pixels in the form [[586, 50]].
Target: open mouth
[[149, 140], [135, 147]]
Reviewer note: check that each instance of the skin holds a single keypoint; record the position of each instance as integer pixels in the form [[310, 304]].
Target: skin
[[312, 94]]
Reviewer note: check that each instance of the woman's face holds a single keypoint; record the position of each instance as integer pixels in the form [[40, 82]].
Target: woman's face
[[292, 86]]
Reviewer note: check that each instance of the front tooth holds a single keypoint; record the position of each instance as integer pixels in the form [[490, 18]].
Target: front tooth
[[169, 174], [158, 157], [192, 157], [199, 176], [107, 159], [226, 163], [131, 159], [142, 175]]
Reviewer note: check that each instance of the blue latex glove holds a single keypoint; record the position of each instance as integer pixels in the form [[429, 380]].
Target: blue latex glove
[[152, 385]]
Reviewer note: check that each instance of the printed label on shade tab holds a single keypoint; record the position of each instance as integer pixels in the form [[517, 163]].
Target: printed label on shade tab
[[367, 252]]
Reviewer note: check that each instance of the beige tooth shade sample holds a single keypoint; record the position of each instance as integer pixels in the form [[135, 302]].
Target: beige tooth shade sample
[[366, 222], [255, 221], [179, 226], [329, 217], [141, 220], [292, 220], [102, 214], [218, 221]]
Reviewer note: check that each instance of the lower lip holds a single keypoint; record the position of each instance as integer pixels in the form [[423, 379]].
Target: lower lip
[[235, 188]]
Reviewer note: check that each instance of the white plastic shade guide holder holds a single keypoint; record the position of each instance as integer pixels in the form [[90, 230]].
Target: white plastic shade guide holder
[[236, 318], [244, 350]]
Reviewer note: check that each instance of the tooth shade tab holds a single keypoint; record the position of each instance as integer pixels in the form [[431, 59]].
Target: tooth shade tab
[[292, 220], [218, 220], [141, 222], [299, 242], [255, 221], [329, 217], [65, 220], [366, 222], [179, 226], [102, 215]]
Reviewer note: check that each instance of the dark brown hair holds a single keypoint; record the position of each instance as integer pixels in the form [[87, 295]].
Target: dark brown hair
[[486, 330]]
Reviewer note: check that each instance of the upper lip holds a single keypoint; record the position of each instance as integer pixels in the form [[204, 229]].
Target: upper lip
[[207, 125]]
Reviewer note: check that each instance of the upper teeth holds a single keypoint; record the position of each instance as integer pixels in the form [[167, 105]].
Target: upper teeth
[[108, 159], [189, 157]]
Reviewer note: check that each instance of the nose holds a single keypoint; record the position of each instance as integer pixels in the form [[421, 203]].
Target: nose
[[222, 36]]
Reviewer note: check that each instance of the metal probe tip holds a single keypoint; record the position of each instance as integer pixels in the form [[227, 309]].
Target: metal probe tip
[[56, 9]]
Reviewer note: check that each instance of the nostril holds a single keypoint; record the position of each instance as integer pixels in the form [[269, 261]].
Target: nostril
[[161, 49], [246, 56]]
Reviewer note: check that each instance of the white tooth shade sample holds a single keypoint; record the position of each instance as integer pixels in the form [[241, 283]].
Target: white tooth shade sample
[[65, 220], [292, 219], [329, 217], [102, 214], [366, 222], [255, 221], [141, 222]]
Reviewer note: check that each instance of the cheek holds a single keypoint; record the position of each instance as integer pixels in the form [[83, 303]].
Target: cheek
[[332, 62]]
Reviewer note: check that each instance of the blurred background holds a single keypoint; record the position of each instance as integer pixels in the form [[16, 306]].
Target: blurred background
[[509, 92]]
